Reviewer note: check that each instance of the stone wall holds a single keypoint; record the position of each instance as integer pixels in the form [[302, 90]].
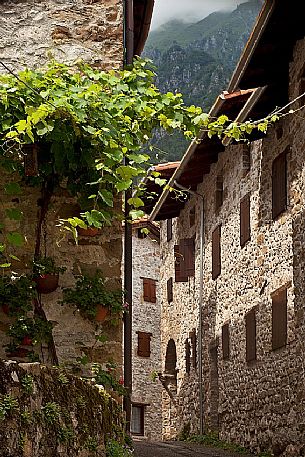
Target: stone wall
[[259, 405], [32, 32], [146, 318], [46, 412]]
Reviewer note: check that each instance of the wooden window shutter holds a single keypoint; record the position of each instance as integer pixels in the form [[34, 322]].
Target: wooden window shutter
[[279, 319], [179, 265], [187, 251], [251, 336], [246, 159], [219, 192], [225, 342], [169, 227], [144, 344], [216, 252], [149, 290], [192, 216], [187, 356], [279, 185], [245, 225], [170, 296]]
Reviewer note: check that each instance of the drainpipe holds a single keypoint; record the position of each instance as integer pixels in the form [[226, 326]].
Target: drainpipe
[[200, 305], [129, 52]]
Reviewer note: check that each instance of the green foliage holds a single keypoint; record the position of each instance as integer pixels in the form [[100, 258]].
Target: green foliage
[[37, 329], [65, 434], [116, 449], [27, 383], [7, 405], [108, 377], [62, 378], [90, 291], [211, 439], [45, 266], [26, 417], [51, 413], [91, 444], [16, 294]]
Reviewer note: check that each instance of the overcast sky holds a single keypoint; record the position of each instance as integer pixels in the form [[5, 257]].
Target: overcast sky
[[188, 10]]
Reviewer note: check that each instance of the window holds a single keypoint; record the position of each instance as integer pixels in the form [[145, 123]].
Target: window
[[169, 229], [193, 339], [137, 419], [192, 217], [149, 290], [141, 234], [219, 193], [216, 252], [225, 342], [246, 159], [170, 290], [279, 185], [144, 344], [245, 230], [187, 356], [251, 336], [184, 259], [279, 319]]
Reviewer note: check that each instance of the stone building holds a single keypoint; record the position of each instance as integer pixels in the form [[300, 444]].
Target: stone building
[[146, 360], [232, 258], [105, 34]]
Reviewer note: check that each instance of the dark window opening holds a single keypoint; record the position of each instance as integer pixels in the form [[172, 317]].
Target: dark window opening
[[245, 223], [170, 295], [251, 336], [137, 419], [169, 229], [187, 356], [192, 217], [216, 252], [219, 193], [279, 319], [193, 339], [279, 185], [225, 342], [246, 159], [144, 344], [149, 290]]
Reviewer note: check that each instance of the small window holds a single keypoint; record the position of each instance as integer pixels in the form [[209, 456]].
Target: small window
[[251, 336], [144, 344], [149, 290], [225, 342], [141, 234], [216, 252], [184, 259], [279, 185], [279, 319], [169, 229], [170, 290], [245, 230], [187, 356], [137, 419], [246, 159], [193, 339], [192, 217], [219, 193]]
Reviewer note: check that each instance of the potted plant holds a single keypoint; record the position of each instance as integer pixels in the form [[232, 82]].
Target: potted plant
[[46, 274], [92, 298], [28, 331], [88, 231], [16, 294], [14, 350]]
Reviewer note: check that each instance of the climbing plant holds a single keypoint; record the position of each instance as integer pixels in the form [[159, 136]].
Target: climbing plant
[[89, 128]]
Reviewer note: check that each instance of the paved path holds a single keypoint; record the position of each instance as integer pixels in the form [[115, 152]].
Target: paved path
[[177, 449]]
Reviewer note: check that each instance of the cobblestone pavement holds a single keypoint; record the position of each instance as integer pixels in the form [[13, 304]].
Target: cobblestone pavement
[[177, 449]]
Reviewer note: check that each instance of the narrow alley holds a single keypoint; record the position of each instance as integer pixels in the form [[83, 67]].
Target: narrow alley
[[177, 449]]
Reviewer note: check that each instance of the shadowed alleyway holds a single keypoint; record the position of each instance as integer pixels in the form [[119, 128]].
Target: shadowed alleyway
[[177, 449]]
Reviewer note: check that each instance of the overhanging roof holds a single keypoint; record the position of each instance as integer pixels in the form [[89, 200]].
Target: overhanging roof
[[143, 10]]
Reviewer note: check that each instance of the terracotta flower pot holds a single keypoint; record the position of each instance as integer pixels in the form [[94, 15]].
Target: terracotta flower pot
[[101, 313], [27, 341], [90, 231], [45, 284]]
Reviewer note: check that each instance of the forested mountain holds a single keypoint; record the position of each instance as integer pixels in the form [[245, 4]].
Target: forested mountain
[[198, 60]]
